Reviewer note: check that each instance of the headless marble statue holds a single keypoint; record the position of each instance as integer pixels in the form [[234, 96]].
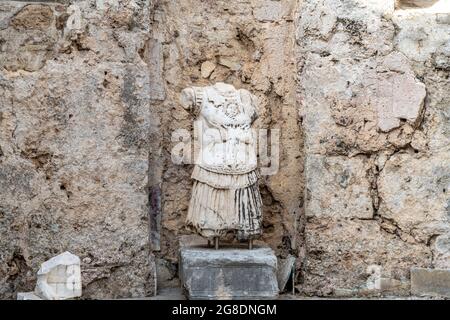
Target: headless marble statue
[[225, 195]]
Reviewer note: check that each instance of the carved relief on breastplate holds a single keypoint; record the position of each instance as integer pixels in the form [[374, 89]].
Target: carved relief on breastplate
[[225, 194], [224, 119]]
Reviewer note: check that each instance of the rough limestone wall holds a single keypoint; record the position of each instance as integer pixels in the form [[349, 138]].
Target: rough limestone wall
[[89, 100], [375, 97], [74, 124], [249, 44]]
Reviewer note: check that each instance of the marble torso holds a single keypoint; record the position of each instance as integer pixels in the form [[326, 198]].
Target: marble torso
[[225, 193], [224, 119]]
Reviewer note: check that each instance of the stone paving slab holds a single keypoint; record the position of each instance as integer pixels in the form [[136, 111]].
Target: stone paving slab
[[228, 273]]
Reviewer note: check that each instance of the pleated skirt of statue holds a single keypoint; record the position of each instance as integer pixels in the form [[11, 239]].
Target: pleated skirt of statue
[[223, 202]]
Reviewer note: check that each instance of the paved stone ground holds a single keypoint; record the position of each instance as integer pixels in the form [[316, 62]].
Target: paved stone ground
[[177, 294]]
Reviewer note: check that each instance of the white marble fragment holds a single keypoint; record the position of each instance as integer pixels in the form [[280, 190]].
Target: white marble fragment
[[399, 96], [207, 68], [284, 271], [59, 278], [27, 296]]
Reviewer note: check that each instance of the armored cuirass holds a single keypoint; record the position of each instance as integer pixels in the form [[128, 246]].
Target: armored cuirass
[[224, 119], [225, 195]]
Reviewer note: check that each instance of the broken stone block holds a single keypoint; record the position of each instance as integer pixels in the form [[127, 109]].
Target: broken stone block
[[441, 249], [285, 267], [399, 95], [391, 285], [417, 201], [207, 68], [27, 296], [228, 273], [59, 278], [432, 282], [230, 64]]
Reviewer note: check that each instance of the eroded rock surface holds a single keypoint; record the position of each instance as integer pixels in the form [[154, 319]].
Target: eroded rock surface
[[89, 100], [74, 125], [375, 95], [246, 44], [59, 278]]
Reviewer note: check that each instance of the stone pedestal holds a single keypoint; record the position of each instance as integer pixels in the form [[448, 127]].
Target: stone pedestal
[[228, 273], [430, 282]]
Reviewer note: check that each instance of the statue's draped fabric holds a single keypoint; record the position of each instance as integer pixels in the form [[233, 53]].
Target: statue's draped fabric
[[225, 195]]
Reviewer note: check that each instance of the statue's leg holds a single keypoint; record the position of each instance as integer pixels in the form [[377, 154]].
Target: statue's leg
[[250, 243], [216, 243], [209, 243]]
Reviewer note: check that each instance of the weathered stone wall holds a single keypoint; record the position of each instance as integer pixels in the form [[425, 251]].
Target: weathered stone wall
[[375, 99], [89, 101], [74, 125]]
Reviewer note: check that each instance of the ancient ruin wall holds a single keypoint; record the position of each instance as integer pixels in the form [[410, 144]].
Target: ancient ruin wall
[[89, 102], [374, 92], [74, 147]]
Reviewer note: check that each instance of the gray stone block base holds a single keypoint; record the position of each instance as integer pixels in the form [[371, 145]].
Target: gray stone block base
[[228, 273], [432, 282]]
